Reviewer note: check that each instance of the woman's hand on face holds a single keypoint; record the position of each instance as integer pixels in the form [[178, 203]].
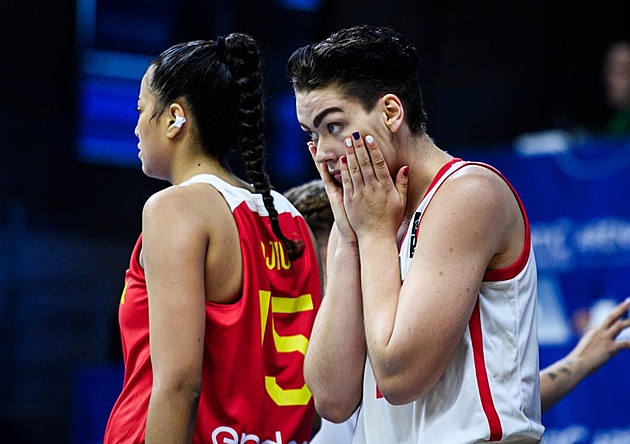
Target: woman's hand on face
[[373, 202], [335, 196]]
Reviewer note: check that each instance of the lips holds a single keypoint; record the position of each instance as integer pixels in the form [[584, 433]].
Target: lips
[[336, 175]]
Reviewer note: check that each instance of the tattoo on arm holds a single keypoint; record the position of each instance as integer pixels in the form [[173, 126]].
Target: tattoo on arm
[[565, 370]]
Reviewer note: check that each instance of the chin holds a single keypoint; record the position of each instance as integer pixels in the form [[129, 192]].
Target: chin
[[151, 173]]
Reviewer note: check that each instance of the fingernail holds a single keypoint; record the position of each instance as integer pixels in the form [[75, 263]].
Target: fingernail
[[343, 159], [356, 135], [405, 170], [369, 139], [348, 142]]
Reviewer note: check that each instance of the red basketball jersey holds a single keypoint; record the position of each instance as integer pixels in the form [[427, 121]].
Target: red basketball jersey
[[253, 388]]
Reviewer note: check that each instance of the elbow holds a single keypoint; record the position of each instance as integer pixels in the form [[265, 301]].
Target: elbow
[[334, 406], [334, 401], [397, 396], [185, 387], [333, 410], [399, 393], [405, 374], [396, 392], [405, 386], [331, 404]]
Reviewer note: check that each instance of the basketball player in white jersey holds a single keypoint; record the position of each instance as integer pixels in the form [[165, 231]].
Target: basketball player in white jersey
[[593, 350], [429, 320]]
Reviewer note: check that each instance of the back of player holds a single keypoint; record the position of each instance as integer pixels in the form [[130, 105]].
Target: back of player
[[254, 347], [214, 333]]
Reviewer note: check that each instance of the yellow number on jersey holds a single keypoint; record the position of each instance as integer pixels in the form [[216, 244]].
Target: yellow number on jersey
[[284, 344]]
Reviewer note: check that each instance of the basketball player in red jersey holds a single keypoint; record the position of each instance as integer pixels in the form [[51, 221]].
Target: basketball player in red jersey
[[223, 284]]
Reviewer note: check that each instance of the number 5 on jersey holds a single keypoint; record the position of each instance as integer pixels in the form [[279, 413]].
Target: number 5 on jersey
[[284, 344]]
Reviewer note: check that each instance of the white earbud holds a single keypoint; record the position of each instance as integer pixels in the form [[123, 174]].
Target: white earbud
[[179, 121]]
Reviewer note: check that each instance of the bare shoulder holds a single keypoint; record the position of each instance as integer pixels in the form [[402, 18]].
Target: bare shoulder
[[197, 204], [478, 187], [479, 179], [190, 231], [475, 205]]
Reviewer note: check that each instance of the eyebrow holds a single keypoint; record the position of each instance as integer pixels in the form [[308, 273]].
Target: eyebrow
[[318, 118]]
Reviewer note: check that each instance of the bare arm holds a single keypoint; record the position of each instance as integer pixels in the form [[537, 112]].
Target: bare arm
[[174, 249], [412, 329], [335, 358], [593, 350]]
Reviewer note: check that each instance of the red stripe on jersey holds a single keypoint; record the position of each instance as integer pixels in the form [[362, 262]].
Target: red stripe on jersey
[[496, 431], [442, 171], [511, 271], [435, 180]]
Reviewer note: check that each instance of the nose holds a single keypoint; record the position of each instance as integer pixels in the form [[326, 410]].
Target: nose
[[135, 131], [325, 152]]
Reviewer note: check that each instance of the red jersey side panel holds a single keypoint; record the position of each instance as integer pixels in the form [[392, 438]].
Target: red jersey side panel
[[129, 416]]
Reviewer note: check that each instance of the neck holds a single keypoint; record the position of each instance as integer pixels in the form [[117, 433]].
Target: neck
[[191, 166], [424, 165], [425, 161]]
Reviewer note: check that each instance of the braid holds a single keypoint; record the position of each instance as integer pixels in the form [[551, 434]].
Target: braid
[[242, 58]]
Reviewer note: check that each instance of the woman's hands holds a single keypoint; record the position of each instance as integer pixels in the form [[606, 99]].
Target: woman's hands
[[335, 196], [369, 201], [600, 344], [374, 203], [594, 349]]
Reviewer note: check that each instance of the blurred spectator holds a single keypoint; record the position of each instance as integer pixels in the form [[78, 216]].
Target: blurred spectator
[[568, 131], [617, 87]]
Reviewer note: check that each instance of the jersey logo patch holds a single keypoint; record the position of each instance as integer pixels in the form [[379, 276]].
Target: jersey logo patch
[[414, 233]]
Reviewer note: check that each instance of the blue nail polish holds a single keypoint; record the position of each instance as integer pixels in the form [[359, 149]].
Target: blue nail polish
[[356, 135]]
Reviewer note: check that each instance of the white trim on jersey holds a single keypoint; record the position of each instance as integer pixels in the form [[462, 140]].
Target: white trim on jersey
[[235, 195]]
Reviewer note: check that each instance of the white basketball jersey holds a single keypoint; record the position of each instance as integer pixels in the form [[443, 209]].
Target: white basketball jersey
[[490, 390]]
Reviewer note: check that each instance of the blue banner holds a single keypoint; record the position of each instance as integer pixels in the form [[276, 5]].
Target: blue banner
[[575, 197]]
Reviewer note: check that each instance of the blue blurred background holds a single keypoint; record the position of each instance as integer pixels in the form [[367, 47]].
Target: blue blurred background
[[517, 84]]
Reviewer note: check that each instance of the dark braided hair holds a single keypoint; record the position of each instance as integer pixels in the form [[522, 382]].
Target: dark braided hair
[[364, 62], [221, 84], [243, 59]]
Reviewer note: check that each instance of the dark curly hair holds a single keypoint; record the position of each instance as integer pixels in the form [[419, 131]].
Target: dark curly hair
[[365, 62], [220, 81]]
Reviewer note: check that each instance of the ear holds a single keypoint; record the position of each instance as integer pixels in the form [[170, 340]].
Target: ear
[[176, 120], [393, 112]]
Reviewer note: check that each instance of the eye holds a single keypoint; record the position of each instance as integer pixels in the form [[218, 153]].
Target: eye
[[138, 110], [334, 128], [312, 135]]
